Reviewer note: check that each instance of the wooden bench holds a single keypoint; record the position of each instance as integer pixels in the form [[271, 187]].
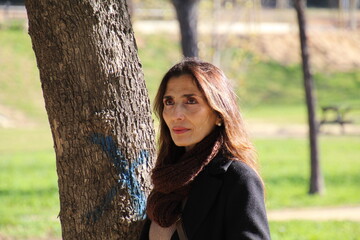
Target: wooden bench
[[335, 115]]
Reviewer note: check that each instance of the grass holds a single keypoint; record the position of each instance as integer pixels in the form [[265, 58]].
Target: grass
[[261, 83], [152, 58], [19, 74], [311, 230], [262, 86], [269, 92], [285, 169], [30, 204], [278, 114], [28, 184]]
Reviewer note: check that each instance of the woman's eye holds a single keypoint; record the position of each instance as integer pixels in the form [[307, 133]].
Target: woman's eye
[[168, 102], [191, 101]]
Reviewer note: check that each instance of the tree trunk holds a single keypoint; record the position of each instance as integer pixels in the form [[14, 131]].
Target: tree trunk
[[216, 36], [316, 178], [282, 4], [187, 14], [353, 14], [99, 114]]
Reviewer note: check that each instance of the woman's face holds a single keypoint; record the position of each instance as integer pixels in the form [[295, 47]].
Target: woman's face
[[186, 112]]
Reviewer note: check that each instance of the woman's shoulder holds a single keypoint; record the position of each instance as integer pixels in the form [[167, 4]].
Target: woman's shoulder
[[241, 173], [238, 167], [232, 170]]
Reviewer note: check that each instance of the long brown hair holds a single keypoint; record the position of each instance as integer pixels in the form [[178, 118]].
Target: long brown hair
[[217, 89]]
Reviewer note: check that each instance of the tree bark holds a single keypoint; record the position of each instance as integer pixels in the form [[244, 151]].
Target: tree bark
[[316, 178], [99, 114], [187, 14]]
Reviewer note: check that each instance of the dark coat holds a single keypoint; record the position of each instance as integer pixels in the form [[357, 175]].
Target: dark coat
[[226, 202]]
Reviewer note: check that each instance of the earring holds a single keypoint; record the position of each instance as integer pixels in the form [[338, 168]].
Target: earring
[[219, 124]]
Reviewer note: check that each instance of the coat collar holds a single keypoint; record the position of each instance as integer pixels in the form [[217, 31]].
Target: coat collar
[[218, 165], [203, 193]]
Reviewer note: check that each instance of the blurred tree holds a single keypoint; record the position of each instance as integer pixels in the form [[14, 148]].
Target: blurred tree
[[99, 114], [316, 178], [187, 15], [216, 38], [281, 4], [11, 2], [353, 14]]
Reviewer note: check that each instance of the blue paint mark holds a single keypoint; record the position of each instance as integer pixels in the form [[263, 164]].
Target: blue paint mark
[[127, 177]]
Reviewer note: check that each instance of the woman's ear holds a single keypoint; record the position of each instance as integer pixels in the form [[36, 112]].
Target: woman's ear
[[219, 121]]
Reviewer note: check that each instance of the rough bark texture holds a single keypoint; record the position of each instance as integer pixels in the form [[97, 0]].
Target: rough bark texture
[[187, 14], [99, 113], [316, 178]]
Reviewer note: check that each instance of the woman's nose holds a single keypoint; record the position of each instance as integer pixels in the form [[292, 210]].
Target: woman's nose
[[178, 113]]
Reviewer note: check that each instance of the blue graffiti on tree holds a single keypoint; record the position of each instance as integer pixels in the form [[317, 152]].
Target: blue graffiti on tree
[[127, 177]]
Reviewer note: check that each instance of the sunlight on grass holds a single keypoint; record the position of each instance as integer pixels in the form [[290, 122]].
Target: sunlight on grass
[[16, 51], [28, 194], [314, 230], [28, 181], [285, 169]]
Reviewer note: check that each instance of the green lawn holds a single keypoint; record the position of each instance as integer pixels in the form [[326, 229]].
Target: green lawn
[[285, 169], [310, 230], [28, 182], [19, 76], [263, 87]]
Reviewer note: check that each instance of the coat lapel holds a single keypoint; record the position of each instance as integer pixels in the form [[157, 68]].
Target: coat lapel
[[203, 194]]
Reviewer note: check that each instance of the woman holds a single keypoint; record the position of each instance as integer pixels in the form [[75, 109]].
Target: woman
[[205, 181]]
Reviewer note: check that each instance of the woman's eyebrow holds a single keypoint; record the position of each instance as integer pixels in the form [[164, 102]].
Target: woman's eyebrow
[[194, 95], [189, 95], [183, 96]]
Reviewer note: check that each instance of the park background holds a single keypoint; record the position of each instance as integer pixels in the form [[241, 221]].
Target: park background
[[258, 48]]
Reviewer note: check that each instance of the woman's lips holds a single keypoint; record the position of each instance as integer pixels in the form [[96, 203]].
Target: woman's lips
[[180, 130]]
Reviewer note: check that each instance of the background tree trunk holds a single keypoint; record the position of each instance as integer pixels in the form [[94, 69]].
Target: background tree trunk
[[353, 15], [316, 178], [216, 36], [187, 14], [282, 4], [99, 113]]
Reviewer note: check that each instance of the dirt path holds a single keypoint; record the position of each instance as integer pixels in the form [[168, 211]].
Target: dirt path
[[350, 213]]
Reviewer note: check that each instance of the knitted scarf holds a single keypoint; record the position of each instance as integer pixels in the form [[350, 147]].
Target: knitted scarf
[[172, 180]]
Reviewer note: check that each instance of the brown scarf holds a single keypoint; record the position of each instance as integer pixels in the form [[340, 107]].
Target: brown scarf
[[172, 180]]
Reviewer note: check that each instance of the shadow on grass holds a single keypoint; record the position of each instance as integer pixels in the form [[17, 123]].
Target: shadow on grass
[[28, 192]]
